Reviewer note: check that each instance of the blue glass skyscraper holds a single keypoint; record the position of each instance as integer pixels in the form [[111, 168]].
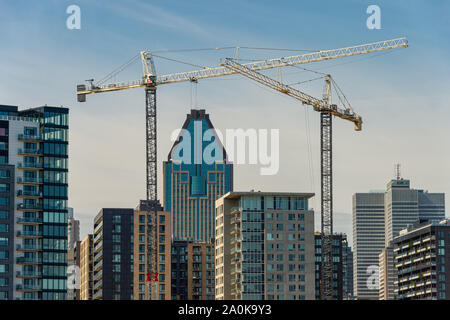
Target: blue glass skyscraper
[[196, 173]]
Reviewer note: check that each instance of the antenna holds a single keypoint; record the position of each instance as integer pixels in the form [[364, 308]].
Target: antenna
[[397, 171]]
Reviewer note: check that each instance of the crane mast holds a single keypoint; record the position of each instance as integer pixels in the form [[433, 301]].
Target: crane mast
[[327, 110], [150, 81]]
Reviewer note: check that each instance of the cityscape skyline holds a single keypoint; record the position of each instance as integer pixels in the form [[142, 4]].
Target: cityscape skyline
[[402, 96]]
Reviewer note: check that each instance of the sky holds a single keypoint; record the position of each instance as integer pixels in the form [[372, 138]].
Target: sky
[[402, 94]]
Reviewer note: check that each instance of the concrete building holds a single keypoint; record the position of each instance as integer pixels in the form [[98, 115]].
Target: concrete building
[[73, 230], [422, 261], [192, 270], [195, 174], [338, 265], [368, 242], [87, 268], [405, 206], [142, 259], [387, 274], [113, 254], [33, 203], [378, 219], [264, 246]]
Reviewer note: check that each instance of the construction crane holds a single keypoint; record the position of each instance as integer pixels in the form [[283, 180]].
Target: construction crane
[[327, 110], [151, 80]]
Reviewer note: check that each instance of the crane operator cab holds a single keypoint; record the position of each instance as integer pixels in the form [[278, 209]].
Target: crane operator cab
[[149, 79]]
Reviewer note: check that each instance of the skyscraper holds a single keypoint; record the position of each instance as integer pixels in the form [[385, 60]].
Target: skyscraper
[[368, 241], [264, 246], [405, 206], [141, 262], [196, 173], [113, 254], [33, 202], [377, 220]]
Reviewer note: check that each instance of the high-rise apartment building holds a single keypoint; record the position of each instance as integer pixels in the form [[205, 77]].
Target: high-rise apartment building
[[196, 173], [33, 203], [113, 254], [142, 264], [192, 270], [422, 261], [87, 267], [368, 242], [264, 246], [338, 265]]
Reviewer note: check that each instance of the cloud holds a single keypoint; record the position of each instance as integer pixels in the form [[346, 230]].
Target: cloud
[[157, 16]]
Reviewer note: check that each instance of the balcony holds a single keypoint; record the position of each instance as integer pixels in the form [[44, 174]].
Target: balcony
[[36, 274], [30, 165], [98, 246], [29, 152], [29, 206], [235, 220], [98, 256], [236, 239], [28, 194], [22, 247], [28, 287], [29, 220], [30, 234], [30, 138], [29, 180], [25, 260], [236, 210], [98, 275]]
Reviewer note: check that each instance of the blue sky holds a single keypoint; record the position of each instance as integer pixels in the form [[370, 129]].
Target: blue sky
[[402, 95]]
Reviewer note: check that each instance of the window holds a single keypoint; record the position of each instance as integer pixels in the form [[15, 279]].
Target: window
[[4, 201], [4, 227], [3, 241]]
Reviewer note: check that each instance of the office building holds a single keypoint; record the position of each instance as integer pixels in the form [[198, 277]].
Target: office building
[[87, 268], [422, 261], [368, 242], [33, 203], [73, 229], [192, 270], [400, 206], [405, 206], [196, 173], [113, 254], [144, 286], [338, 266], [264, 246], [387, 274]]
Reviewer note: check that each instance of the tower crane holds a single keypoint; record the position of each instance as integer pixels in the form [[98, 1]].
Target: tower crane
[[327, 110], [151, 80]]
